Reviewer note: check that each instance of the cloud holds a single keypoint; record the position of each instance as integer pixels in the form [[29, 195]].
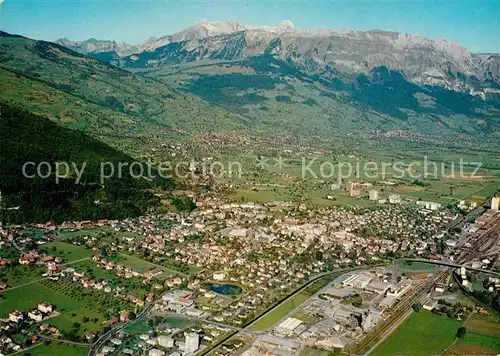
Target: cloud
[[1, 1]]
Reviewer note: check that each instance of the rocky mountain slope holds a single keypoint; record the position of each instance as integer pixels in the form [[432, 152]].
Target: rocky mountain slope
[[232, 85], [83, 93], [327, 53]]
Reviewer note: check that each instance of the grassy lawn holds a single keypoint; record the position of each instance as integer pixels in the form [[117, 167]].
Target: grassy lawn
[[417, 266], [87, 232], [139, 328], [306, 318], [66, 319], [423, 333], [71, 310], [270, 319], [67, 251], [92, 270], [136, 263], [176, 322], [314, 351], [56, 349]]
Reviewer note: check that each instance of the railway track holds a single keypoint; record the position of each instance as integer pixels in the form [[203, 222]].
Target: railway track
[[489, 230], [398, 312]]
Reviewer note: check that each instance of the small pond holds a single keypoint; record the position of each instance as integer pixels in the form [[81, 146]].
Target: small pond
[[225, 289]]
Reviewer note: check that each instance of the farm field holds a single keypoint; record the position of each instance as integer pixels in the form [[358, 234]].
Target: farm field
[[422, 333], [489, 324], [55, 349], [475, 344], [487, 191], [19, 275]]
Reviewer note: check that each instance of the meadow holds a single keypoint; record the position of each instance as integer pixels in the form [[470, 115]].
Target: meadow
[[27, 298], [67, 252], [50, 349], [274, 316], [423, 333]]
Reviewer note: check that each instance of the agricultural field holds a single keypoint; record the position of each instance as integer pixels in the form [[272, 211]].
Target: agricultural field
[[286, 183], [487, 191], [53, 348], [19, 275], [487, 324], [475, 344], [423, 333]]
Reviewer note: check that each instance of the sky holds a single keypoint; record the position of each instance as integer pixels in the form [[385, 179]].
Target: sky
[[474, 24]]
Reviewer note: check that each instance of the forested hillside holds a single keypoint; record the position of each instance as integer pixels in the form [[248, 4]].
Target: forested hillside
[[25, 137]]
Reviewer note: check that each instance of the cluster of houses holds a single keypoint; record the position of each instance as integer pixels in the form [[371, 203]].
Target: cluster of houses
[[33, 257], [42, 311], [123, 271], [230, 235]]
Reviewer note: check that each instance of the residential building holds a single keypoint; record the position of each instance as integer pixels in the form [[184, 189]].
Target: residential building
[[192, 342]]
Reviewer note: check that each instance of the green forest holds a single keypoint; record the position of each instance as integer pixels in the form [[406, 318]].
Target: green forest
[[25, 137]]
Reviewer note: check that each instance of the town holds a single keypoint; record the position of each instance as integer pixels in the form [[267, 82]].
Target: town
[[277, 278]]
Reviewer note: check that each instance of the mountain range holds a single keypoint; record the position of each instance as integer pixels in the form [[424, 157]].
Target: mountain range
[[213, 86], [329, 54]]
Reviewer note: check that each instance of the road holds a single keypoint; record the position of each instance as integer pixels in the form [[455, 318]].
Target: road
[[244, 328], [106, 336]]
